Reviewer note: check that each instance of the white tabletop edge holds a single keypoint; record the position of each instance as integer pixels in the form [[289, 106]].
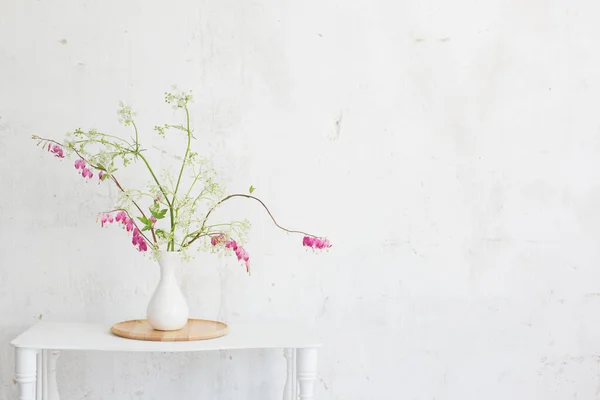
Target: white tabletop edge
[[97, 337], [177, 348]]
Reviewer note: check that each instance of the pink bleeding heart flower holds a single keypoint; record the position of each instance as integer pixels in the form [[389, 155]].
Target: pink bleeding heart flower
[[79, 163], [240, 252], [129, 224], [138, 240], [100, 175], [217, 239], [242, 255], [323, 244], [153, 220], [57, 150], [134, 240], [142, 245], [106, 218], [231, 244], [136, 235], [316, 242], [121, 216], [86, 173], [308, 241]]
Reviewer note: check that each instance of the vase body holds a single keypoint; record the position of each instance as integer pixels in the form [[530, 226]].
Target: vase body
[[168, 309]]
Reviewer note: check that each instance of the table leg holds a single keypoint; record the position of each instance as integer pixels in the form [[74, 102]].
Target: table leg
[[50, 386], [25, 372], [290, 391], [46, 388], [39, 390], [306, 367]]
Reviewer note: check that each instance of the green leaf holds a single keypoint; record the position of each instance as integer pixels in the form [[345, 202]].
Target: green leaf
[[252, 188], [156, 213], [145, 221], [161, 234]]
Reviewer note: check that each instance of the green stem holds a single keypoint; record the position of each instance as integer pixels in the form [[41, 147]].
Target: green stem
[[208, 229], [197, 198], [192, 186], [140, 155], [187, 151], [248, 197], [113, 137], [90, 140], [88, 135], [188, 234], [137, 141], [170, 245], [174, 199]]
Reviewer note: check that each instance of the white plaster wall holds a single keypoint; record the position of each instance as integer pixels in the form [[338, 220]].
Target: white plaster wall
[[449, 149]]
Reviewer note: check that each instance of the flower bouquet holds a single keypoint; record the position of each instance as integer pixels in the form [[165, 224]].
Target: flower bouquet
[[173, 212]]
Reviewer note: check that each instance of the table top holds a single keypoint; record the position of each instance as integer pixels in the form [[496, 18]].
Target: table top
[[86, 336]]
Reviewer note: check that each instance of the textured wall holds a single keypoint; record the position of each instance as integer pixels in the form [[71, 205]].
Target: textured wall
[[450, 150]]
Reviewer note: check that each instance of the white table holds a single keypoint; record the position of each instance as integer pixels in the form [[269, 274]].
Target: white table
[[37, 351]]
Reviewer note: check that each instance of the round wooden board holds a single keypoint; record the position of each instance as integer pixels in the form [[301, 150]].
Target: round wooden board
[[196, 329]]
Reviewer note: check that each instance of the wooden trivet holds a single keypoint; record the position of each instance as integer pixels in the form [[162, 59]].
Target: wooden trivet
[[196, 329]]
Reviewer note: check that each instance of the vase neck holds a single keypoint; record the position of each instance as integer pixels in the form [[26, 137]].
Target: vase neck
[[167, 261]]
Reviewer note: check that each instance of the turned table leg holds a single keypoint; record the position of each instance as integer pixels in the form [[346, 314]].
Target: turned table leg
[[46, 388], [49, 384], [290, 391], [25, 372], [39, 391], [306, 372]]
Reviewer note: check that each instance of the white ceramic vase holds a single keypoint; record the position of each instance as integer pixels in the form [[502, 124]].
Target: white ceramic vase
[[168, 309]]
